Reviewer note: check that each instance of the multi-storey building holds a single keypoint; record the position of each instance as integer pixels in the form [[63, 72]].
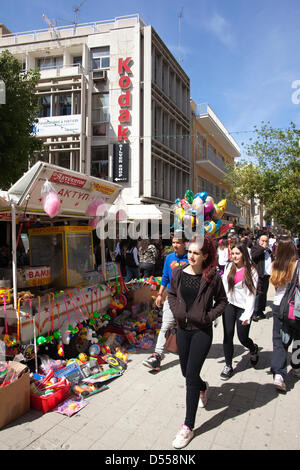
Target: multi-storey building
[[212, 148], [115, 104]]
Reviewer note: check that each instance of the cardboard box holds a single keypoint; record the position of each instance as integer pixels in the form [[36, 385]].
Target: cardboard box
[[15, 397]]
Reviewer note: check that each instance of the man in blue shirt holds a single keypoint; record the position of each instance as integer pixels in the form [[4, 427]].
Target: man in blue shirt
[[177, 258]]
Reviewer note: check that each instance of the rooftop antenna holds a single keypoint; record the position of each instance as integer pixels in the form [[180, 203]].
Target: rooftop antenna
[[76, 11], [50, 25], [179, 35]]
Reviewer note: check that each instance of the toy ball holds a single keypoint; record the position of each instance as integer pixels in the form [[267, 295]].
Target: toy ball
[[209, 199], [94, 350], [208, 206], [51, 204], [202, 195], [210, 227], [96, 207], [189, 196], [83, 357]]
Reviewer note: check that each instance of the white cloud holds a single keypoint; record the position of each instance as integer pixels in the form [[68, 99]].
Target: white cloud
[[218, 26]]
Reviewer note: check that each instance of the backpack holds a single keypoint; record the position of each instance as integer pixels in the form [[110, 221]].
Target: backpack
[[289, 310], [129, 259]]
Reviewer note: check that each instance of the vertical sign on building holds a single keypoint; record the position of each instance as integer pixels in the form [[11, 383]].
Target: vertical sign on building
[[121, 163], [124, 100]]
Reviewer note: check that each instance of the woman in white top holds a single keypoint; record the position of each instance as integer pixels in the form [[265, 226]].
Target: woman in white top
[[283, 268], [240, 280], [223, 256]]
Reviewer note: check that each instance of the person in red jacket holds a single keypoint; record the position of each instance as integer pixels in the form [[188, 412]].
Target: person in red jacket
[[196, 298]]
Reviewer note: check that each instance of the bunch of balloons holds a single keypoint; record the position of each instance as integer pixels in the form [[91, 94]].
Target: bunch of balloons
[[199, 211]]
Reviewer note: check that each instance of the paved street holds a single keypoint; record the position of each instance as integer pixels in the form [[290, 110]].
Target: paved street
[[143, 409]]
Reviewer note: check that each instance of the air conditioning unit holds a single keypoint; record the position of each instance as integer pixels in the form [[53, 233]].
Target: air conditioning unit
[[99, 75]]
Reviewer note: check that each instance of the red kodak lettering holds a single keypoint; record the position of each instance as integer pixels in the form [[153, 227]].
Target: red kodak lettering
[[124, 100], [124, 82], [123, 66], [124, 115], [122, 133]]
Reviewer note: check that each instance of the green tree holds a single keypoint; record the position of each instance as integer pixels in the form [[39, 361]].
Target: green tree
[[17, 118], [271, 173]]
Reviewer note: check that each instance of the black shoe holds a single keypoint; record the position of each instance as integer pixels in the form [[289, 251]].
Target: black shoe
[[254, 356], [259, 316], [153, 362], [226, 373]]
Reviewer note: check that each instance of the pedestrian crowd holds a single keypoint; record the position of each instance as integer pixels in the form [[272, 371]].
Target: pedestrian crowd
[[206, 279]]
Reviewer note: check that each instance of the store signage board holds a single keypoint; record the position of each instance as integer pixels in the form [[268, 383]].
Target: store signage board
[[75, 190], [58, 125], [121, 163]]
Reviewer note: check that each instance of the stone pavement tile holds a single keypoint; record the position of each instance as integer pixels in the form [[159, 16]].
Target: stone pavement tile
[[78, 442], [75, 423], [112, 439], [42, 444], [219, 447], [4, 446], [58, 435]]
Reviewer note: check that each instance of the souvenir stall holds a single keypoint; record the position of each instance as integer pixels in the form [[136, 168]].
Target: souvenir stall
[[61, 287]]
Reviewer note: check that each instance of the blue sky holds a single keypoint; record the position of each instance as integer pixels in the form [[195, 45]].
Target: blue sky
[[242, 57]]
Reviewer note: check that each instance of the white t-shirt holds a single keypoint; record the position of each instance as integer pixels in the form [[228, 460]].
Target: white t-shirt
[[223, 256], [279, 293], [240, 296]]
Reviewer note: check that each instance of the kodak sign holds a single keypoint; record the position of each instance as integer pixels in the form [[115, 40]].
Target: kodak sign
[[124, 100]]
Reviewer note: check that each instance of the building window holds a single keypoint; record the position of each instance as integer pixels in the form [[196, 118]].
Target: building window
[[77, 60], [100, 58], [100, 162], [62, 104], [100, 107], [45, 105], [49, 62]]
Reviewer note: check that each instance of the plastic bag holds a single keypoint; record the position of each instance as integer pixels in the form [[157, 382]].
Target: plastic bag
[[50, 200]]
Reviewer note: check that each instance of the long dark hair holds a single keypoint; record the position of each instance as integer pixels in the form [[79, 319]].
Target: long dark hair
[[248, 265], [208, 248], [283, 265]]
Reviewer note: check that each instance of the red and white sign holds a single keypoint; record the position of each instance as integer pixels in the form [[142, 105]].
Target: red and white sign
[[62, 178], [124, 100]]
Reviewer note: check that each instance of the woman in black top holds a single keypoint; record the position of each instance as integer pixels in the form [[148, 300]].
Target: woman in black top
[[196, 297]]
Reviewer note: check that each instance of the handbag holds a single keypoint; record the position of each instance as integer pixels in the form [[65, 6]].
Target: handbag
[[289, 305], [171, 340]]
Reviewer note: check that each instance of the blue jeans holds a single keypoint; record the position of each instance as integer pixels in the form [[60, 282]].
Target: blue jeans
[[132, 273]]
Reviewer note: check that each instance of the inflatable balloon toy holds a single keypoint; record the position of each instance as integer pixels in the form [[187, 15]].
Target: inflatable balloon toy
[[96, 208], [210, 227]]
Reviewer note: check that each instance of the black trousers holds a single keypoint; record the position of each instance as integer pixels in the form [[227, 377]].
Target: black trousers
[[261, 296], [193, 348], [230, 318]]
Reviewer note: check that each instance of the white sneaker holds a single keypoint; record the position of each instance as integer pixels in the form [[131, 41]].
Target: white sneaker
[[183, 437], [296, 373], [279, 383], [203, 397]]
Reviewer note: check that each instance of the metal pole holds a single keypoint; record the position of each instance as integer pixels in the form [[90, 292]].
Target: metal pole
[[14, 254]]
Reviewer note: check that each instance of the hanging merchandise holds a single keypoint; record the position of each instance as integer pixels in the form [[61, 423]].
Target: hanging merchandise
[[50, 200]]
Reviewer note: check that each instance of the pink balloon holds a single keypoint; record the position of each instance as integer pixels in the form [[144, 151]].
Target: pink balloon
[[93, 223], [208, 206], [51, 204], [96, 207]]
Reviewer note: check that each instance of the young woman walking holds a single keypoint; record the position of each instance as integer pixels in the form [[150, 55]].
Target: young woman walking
[[196, 298], [283, 268], [240, 280]]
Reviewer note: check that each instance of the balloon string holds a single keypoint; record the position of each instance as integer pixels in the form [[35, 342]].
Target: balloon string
[[83, 300], [67, 311], [75, 307], [49, 316], [19, 317], [39, 315], [5, 313]]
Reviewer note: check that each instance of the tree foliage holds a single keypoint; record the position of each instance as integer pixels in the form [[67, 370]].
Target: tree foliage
[[271, 173], [17, 118]]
